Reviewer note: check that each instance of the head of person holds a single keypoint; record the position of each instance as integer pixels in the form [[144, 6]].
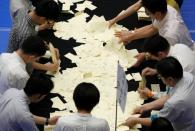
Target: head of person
[[155, 8], [32, 49], [35, 2], [38, 86], [157, 46], [169, 70], [47, 10], [86, 96], [161, 124]]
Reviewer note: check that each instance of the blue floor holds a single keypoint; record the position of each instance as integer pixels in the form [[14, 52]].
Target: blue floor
[[187, 11]]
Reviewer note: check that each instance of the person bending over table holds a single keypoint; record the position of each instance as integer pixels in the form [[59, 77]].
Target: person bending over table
[[157, 48], [165, 20], [178, 106]]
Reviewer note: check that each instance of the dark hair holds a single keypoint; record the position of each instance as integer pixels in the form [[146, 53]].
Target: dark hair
[[155, 44], [161, 124], [48, 8], [34, 45], [34, 2], [170, 67], [86, 96], [38, 83], [155, 5]]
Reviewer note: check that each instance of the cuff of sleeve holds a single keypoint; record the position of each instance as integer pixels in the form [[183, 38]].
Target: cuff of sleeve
[[37, 28], [150, 94], [153, 117], [155, 95], [47, 121]]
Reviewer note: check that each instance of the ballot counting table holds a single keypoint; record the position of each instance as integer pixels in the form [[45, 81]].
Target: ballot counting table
[[108, 9]]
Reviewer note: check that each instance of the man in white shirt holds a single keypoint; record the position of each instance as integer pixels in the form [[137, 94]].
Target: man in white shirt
[[178, 106], [157, 48], [86, 97], [15, 114], [173, 28], [13, 72], [166, 21]]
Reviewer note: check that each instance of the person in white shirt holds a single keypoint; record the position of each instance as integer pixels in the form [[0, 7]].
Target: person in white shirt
[[86, 96], [15, 114], [157, 48], [135, 7], [178, 106], [173, 28], [166, 21], [13, 72]]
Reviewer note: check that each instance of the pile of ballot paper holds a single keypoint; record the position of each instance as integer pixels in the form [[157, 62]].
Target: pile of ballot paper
[[96, 61]]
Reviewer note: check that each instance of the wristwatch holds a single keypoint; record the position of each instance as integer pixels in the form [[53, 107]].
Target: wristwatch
[[47, 121], [147, 56]]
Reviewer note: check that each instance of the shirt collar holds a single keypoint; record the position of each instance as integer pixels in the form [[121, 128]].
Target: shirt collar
[[178, 84], [84, 115]]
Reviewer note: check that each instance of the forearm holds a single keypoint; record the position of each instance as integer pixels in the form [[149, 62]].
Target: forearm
[[39, 120], [144, 121], [157, 104], [39, 66], [129, 11], [144, 32]]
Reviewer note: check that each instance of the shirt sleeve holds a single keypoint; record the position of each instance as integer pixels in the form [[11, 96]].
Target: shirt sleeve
[[172, 40], [172, 111], [157, 95], [107, 128], [58, 126], [27, 123], [18, 82]]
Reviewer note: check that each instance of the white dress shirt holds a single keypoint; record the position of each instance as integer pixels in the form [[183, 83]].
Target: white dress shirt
[[173, 28], [185, 56], [13, 72], [81, 122], [180, 107], [14, 112]]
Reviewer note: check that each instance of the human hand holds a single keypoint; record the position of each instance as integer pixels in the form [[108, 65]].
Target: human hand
[[52, 66], [124, 36], [57, 53], [50, 23], [149, 71], [53, 120], [139, 109], [130, 122], [145, 93], [140, 58], [111, 23], [46, 25]]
